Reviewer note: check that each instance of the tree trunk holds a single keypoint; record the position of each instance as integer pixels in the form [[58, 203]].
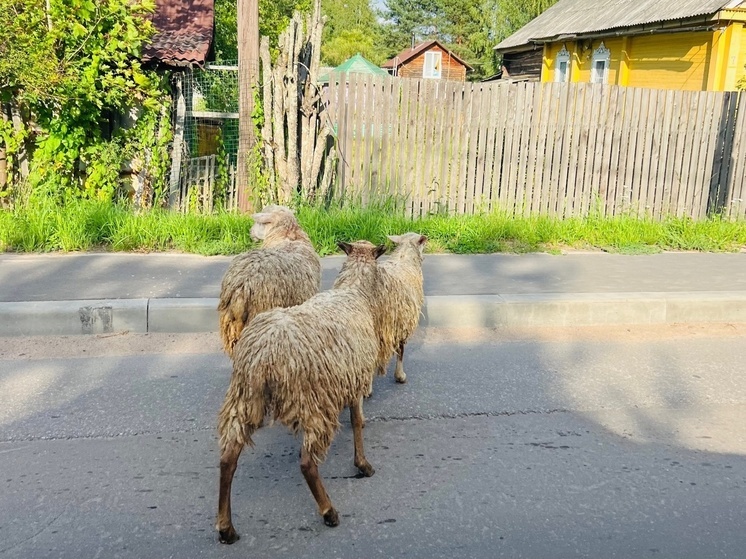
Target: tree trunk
[[248, 73], [268, 89], [174, 189], [3, 155]]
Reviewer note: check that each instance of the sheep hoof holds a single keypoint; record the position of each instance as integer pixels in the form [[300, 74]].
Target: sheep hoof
[[331, 518], [402, 379], [366, 469], [228, 536]]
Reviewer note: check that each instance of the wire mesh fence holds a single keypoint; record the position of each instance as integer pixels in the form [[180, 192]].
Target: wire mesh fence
[[205, 116]]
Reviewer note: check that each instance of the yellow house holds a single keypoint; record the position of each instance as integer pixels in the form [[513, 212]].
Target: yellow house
[[697, 45]]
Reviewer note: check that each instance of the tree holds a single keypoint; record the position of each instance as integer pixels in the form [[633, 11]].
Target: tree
[[471, 28], [274, 16]]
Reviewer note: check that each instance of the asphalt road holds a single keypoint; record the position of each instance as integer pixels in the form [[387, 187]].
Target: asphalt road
[[592, 443]]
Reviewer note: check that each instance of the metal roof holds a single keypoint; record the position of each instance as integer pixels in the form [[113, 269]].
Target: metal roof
[[357, 64], [184, 30], [575, 17]]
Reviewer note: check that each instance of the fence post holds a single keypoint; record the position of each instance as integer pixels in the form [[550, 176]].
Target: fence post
[[174, 189]]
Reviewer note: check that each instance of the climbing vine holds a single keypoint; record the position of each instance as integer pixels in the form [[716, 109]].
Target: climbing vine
[[77, 103]]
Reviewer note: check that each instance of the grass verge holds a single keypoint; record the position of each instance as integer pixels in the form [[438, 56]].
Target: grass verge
[[88, 225]]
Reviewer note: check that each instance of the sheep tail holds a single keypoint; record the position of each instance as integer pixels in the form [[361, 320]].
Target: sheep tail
[[242, 414]]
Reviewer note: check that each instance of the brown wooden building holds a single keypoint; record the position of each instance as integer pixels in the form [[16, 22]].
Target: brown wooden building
[[429, 60]]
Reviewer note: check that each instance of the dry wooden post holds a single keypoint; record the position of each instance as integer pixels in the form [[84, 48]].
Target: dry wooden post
[[293, 133], [248, 71]]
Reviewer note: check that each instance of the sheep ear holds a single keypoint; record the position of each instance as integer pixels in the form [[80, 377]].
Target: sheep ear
[[262, 218], [380, 251], [346, 247], [396, 239], [422, 240]]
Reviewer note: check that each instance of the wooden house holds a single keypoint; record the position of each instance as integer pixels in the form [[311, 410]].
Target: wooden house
[[428, 60], [696, 45]]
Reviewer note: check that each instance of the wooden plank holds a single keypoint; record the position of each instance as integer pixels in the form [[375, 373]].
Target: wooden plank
[[586, 150], [601, 116], [398, 116], [367, 110], [575, 124], [513, 133], [401, 159], [658, 167], [457, 140], [607, 183], [545, 114], [384, 131], [573, 201], [620, 135], [675, 148], [648, 145], [530, 142], [476, 155], [445, 106], [350, 95], [411, 150], [500, 124], [553, 184], [563, 188], [727, 153], [709, 132], [528, 99], [507, 147], [735, 203], [554, 155], [376, 137], [690, 105], [429, 119], [489, 161], [465, 146], [478, 201]]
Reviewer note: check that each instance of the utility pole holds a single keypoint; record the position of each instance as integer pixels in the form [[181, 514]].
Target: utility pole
[[248, 78]]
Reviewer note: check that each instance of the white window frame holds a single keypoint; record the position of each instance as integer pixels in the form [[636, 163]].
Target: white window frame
[[562, 61], [603, 55], [433, 58]]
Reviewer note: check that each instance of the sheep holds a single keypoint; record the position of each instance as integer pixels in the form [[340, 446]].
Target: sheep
[[403, 295], [284, 272], [302, 366]]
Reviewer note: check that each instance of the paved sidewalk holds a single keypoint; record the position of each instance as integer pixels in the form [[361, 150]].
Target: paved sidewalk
[[103, 292]]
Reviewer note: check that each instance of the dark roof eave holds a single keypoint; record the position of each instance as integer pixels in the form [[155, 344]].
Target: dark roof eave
[[696, 23]]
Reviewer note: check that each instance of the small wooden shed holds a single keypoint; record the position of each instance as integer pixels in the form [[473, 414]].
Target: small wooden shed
[[429, 60]]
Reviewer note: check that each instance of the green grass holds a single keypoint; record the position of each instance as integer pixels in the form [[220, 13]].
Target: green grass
[[88, 225]]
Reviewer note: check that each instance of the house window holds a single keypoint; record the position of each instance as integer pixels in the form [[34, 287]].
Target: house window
[[562, 66], [433, 65], [600, 65]]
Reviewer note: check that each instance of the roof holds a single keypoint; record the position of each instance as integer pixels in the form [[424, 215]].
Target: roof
[[406, 55], [184, 30], [357, 64], [575, 17]]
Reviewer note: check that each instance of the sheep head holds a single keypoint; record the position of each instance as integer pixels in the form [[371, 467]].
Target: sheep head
[[414, 240], [276, 221], [362, 250]]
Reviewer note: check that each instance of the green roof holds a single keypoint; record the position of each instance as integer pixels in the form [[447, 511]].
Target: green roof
[[354, 65]]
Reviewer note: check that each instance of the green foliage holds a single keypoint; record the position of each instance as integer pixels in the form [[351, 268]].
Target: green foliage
[[91, 224], [351, 28], [73, 72], [471, 28], [349, 43], [274, 16]]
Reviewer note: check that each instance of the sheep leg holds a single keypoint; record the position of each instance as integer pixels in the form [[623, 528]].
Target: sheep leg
[[228, 462], [311, 472], [399, 374], [358, 422]]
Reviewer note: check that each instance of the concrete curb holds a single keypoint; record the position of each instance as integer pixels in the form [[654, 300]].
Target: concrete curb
[[454, 311]]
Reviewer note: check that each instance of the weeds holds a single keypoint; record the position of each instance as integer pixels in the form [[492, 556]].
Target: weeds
[[84, 225]]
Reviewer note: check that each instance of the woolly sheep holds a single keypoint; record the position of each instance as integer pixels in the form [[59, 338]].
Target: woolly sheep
[[402, 294], [302, 366], [285, 271]]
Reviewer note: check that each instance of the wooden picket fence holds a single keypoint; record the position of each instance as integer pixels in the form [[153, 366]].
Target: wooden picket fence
[[531, 148]]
